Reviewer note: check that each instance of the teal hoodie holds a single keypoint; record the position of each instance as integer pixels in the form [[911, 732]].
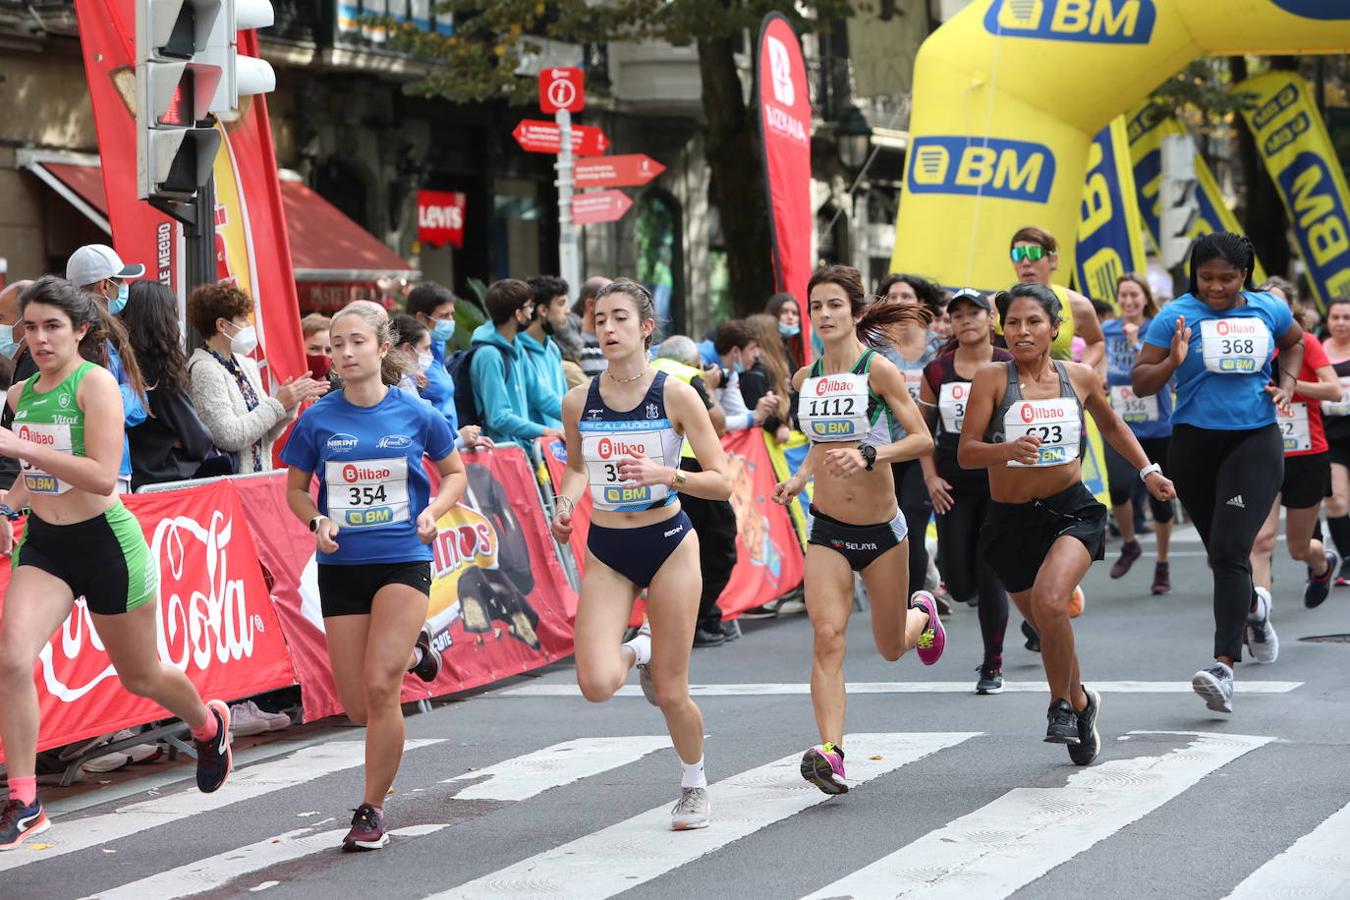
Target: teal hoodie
[[504, 401], [546, 362]]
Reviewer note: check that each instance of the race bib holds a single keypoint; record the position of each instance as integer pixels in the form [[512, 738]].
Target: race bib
[[367, 493], [1132, 408], [834, 407], [913, 381], [1055, 422], [1339, 407], [952, 400], [603, 450], [1294, 428], [1235, 346], [53, 437]]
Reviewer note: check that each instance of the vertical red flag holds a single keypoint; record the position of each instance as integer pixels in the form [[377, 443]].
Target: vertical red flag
[[785, 130]]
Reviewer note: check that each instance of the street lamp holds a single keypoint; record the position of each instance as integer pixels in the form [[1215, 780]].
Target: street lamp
[[854, 137]]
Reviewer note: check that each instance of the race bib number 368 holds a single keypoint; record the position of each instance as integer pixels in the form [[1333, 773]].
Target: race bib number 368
[[1237, 346], [368, 493]]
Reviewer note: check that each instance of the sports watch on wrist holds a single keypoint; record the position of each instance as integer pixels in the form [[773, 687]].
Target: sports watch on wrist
[[314, 522], [869, 455], [1149, 470]]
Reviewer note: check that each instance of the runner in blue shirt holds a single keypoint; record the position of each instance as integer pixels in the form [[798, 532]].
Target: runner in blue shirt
[[1227, 453], [373, 521]]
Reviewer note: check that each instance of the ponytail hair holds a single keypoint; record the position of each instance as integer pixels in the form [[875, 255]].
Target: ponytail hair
[[878, 315], [1225, 245], [82, 309], [394, 365]]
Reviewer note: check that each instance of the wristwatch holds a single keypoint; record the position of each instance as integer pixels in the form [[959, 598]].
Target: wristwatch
[[680, 480], [8, 513], [869, 454], [1149, 470], [314, 522]]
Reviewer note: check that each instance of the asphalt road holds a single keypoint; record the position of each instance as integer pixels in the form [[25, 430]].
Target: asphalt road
[[530, 791]]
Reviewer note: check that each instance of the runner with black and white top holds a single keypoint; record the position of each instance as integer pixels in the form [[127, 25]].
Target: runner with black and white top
[[1024, 423], [961, 496], [373, 521]]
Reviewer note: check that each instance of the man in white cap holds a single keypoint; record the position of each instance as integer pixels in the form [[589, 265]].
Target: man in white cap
[[100, 272]]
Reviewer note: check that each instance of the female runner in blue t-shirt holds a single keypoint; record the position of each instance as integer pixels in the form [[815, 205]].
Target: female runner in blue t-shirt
[[1227, 453], [372, 523]]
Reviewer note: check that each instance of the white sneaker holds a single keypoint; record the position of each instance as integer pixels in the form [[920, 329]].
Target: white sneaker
[[246, 719], [1215, 687], [693, 810], [1261, 638], [111, 762]]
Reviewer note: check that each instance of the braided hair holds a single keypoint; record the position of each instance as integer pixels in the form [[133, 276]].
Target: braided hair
[[1225, 245]]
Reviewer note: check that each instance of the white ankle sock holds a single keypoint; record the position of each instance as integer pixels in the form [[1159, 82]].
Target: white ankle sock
[[642, 648], [693, 776]]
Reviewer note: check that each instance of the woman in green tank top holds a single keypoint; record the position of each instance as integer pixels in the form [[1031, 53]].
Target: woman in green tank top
[[78, 541]]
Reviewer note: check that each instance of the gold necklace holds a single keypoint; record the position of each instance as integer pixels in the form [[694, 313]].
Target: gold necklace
[[613, 377]]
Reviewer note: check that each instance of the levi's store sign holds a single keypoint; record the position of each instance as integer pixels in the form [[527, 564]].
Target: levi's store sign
[[440, 218]]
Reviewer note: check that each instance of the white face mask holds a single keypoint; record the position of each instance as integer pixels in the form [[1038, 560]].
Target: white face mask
[[424, 361], [244, 340]]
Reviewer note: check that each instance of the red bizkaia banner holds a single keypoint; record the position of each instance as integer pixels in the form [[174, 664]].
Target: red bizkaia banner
[[252, 246], [216, 621], [785, 130]]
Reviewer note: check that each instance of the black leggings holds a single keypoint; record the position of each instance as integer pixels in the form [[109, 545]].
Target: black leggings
[[1122, 477], [912, 495], [966, 572], [1227, 480]]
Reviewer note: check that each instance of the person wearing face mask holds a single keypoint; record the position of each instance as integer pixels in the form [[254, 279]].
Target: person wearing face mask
[[433, 306], [413, 340], [737, 350], [99, 271], [18, 363], [541, 352], [318, 347], [226, 387], [504, 386], [787, 311]]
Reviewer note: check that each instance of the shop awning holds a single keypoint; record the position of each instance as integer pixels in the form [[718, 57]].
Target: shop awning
[[326, 246]]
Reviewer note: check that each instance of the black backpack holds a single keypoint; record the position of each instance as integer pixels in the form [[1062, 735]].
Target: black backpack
[[466, 407]]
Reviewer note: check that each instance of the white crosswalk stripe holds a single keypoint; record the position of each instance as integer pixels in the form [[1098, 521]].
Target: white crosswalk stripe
[[1242, 686], [1317, 865], [522, 777]]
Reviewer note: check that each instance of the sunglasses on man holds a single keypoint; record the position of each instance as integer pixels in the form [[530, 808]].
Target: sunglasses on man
[[1032, 252]]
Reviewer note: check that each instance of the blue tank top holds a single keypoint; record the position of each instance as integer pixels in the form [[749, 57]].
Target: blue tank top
[[608, 435]]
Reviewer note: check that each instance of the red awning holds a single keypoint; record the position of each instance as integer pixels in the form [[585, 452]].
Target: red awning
[[326, 246]]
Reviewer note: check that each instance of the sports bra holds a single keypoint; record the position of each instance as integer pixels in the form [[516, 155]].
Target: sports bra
[[1058, 423], [843, 407], [608, 435]]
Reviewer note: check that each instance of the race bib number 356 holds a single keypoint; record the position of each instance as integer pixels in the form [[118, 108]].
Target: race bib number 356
[[368, 493], [1131, 407], [1237, 346]]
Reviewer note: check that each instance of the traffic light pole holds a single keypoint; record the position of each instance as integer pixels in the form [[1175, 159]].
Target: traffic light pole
[[198, 217]]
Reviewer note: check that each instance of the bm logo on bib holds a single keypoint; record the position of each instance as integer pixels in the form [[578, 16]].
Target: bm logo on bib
[[1012, 170], [610, 448], [1085, 21]]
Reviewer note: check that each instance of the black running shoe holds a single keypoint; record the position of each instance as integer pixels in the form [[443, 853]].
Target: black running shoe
[[1089, 742], [214, 759], [991, 680], [1063, 727], [1033, 639], [367, 830], [18, 823], [430, 665], [1319, 587]]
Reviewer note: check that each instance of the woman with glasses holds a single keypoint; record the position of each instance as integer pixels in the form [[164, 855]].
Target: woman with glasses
[[1035, 257]]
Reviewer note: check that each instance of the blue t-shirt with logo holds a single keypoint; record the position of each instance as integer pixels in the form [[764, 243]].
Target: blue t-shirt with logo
[[1221, 385], [1148, 417], [368, 460]]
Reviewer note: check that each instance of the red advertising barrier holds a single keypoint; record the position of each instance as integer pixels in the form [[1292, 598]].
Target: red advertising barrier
[[215, 620], [500, 601], [769, 559]]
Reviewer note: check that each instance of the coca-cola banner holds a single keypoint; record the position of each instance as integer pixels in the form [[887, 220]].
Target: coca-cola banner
[[440, 218], [216, 621], [500, 601], [785, 129]]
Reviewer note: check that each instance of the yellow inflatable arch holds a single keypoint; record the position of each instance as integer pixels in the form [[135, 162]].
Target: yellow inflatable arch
[[1009, 93]]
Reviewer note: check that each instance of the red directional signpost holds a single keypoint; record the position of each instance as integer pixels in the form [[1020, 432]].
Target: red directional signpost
[[599, 206], [538, 136], [629, 170]]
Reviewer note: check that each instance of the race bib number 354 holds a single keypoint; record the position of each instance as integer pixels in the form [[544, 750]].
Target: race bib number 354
[[368, 493]]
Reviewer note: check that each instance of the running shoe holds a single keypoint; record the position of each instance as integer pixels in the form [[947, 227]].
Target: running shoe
[[645, 669], [1089, 741], [1129, 554], [991, 680], [932, 639], [1033, 639], [1162, 579], [1261, 638], [1319, 587], [367, 830], [692, 810], [18, 823], [1063, 724], [731, 631], [1076, 602], [429, 667], [1215, 685], [214, 759], [823, 766], [767, 611]]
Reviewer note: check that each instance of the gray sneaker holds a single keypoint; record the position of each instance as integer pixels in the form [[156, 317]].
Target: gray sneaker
[[1261, 639], [645, 669], [1215, 685], [692, 811]]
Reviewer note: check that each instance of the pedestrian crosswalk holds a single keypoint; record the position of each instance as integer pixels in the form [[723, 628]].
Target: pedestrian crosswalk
[[993, 850]]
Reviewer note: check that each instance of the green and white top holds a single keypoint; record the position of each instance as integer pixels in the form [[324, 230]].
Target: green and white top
[[51, 419]]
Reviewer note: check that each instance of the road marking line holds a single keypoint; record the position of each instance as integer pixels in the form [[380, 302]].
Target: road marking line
[[533, 773], [306, 764], [1317, 865], [622, 856], [1004, 846], [906, 687], [217, 871]]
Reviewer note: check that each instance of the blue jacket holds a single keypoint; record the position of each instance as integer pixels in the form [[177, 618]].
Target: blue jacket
[[133, 410], [440, 389], [545, 360], [505, 401]]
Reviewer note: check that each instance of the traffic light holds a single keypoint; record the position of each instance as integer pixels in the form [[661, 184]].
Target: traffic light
[[241, 76]]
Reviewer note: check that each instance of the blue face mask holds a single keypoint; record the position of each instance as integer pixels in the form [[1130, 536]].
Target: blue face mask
[[7, 343], [789, 330], [119, 303], [737, 367], [444, 330]]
